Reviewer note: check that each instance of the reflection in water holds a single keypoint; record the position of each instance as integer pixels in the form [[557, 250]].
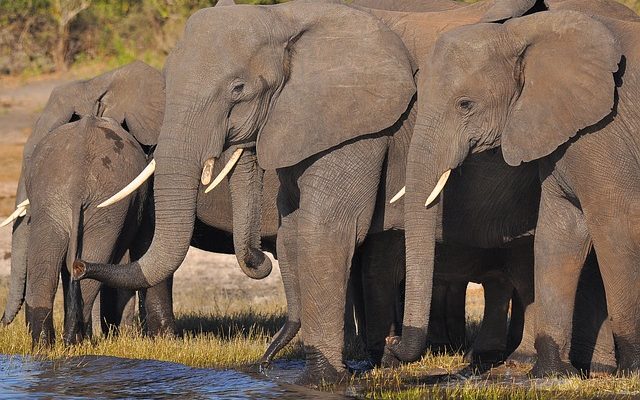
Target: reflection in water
[[92, 377]]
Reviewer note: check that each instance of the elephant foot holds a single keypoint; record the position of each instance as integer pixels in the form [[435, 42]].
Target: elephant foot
[[484, 357], [319, 371], [166, 329], [549, 363], [288, 331], [558, 369], [519, 358], [40, 322]]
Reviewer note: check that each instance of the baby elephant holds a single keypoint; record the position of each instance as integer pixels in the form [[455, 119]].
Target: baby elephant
[[73, 169]]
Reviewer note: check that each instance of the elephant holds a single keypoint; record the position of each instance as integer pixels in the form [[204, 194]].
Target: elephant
[[133, 95], [72, 168], [499, 86]]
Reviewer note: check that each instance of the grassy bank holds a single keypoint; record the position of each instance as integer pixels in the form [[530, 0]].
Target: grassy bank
[[228, 332]]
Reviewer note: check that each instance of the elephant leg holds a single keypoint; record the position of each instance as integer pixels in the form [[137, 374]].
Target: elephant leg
[[490, 344], [617, 245], [45, 257], [323, 295], [520, 339], [157, 302], [562, 244], [592, 344], [382, 260], [456, 297], [286, 246], [438, 335]]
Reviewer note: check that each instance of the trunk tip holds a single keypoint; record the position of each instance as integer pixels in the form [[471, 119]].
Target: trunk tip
[[79, 270], [256, 264]]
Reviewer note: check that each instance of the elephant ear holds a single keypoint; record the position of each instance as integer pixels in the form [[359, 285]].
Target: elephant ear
[[564, 65], [349, 76], [502, 10], [134, 96]]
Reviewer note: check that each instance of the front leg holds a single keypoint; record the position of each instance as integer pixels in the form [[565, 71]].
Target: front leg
[[336, 196], [286, 247], [562, 244]]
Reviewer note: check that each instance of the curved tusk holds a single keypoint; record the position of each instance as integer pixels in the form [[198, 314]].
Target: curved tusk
[[225, 171], [19, 212], [398, 195], [207, 171], [439, 186], [131, 187], [23, 204]]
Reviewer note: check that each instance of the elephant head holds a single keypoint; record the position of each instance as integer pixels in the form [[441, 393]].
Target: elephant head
[[528, 85], [276, 84], [133, 95]]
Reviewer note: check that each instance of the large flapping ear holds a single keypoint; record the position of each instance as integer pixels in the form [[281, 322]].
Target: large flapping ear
[[503, 10], [565, 62], [349, 76], [134, 96]]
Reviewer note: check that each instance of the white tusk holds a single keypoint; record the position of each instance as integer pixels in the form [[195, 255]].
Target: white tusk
[[131, 187], [23, 204], [207, 171], [399, 195], [225, 171], [439, 186], [19, 212]]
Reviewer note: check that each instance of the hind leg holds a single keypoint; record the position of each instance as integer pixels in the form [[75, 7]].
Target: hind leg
[[45, 257]]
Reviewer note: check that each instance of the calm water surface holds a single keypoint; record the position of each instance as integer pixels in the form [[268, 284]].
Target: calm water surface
[[94, 377]]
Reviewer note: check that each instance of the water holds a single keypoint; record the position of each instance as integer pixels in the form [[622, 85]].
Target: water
[[98, 377]]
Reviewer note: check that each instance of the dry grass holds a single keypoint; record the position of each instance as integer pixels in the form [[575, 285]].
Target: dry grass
[[228, 332]]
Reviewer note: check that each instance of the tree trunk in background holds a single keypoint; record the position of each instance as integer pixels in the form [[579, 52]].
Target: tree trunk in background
[[64, 11]]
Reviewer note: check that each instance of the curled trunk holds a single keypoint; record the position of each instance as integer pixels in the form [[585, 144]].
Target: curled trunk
[[245, 183], [175, 189]]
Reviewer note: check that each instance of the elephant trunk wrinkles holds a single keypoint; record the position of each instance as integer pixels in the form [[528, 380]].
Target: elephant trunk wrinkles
[[431, 154], [19, 241], [245, 183], [175, 189]]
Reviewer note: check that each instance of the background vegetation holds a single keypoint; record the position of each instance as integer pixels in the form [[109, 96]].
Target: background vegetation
[[39, 36]]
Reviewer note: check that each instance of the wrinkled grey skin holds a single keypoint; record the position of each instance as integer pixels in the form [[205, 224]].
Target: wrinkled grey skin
[[64, 219], [132, 95], [424, 224], [210, 116], [562, 117]]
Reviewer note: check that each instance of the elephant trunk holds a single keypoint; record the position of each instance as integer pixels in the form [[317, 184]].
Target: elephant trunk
[[19, 242], [175, 191], [428, 159], [245, 183]]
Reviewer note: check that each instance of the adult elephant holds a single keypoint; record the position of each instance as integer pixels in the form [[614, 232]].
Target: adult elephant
[[133, 95], [500, 85], [256, 98]]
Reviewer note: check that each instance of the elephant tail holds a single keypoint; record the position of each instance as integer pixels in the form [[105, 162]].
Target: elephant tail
[[73, 304]]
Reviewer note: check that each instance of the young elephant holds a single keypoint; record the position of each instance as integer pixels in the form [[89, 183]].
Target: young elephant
[[133, 95], [72, 170], [560, 87]]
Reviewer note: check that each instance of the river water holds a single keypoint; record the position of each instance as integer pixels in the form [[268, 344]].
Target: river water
[[99, 377]]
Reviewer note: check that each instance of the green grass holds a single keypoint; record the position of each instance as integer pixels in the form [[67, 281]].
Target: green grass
[[230, 332]]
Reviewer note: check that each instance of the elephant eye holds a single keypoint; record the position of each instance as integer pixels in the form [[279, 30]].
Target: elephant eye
[[465, 105], [237, 89]]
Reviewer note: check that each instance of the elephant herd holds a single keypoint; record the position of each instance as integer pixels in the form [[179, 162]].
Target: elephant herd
[[387, 152]]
